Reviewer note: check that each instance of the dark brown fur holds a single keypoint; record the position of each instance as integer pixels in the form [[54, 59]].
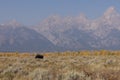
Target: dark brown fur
[[39, 56]]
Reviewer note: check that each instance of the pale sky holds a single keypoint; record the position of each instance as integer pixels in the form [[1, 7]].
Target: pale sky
[[30, 12]]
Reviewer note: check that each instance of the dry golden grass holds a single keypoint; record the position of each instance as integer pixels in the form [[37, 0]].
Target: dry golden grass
[[81, 65]]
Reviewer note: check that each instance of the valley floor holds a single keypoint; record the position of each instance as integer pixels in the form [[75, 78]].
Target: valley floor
[[59, 66]]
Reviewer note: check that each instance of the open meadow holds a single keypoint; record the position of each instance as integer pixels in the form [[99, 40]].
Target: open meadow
[[81, 65]]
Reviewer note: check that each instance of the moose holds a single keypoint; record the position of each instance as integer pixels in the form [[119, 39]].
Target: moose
[[39, 56]]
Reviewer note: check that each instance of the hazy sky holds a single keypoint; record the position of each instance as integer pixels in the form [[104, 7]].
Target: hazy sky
[[30, 12]]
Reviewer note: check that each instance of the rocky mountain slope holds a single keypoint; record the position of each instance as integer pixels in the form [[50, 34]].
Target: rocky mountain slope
[[14, 37], [75, 33]]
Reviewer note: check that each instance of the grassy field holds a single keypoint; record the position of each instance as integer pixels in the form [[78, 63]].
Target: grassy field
[[81, 65]]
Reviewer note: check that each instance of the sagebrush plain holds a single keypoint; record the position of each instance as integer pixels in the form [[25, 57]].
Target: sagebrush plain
[[79, 65]]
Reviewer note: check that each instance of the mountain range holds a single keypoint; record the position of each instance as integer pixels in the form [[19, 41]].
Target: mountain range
[[57, 33]]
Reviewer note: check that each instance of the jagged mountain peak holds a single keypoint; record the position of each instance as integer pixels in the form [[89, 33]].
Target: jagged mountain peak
[[82, 15], [112, 8], [13, 23], [54, 17], [51, 19], [81, 18], [111, 12]]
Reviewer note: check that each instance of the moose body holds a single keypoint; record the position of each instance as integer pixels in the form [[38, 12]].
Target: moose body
[[39, 56]]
